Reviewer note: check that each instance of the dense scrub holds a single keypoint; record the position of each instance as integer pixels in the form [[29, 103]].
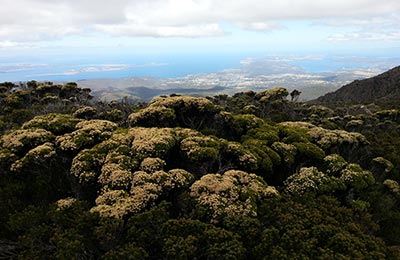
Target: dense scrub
[[252, 176]]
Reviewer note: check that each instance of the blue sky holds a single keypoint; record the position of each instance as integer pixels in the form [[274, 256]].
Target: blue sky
[[32, 31]]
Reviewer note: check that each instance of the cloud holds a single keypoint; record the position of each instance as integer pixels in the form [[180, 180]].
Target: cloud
[[41, 20], [131, 29], [365, 36], [260, 26], [9, 44], [382, 28]]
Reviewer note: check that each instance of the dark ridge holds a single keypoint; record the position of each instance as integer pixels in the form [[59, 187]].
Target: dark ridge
[[382, 88]]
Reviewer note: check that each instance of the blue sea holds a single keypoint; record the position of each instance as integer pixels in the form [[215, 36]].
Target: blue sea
[[76, 68], [53, 67]]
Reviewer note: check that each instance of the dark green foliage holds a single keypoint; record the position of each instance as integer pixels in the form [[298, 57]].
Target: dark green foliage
[[269, 104], [309, 152], [189, 239], [145, 229], [291, 134], [56, 123], [19, 103], [127, 251], [55, 233], [79, 180], [182, 111], [294, 95], [316, 228]]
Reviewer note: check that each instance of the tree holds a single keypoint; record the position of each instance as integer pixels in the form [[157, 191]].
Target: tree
[[294, 95]]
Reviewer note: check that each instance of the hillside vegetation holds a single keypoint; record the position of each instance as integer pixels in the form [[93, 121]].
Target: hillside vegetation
[[384, 88], [248, 176]]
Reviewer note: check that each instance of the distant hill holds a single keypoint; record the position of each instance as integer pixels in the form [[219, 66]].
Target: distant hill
[[382, 88]]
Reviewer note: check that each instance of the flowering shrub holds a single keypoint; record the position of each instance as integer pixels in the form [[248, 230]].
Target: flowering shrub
[[152, 116], [55, 123], [278, 93], [286, 151], [85, 112], [152, 142], [146, 189], [38, 156], [65, 203], [20, 141], [334, 164], [332, 141], [232, 193], [392, 186], [87, 133], [151, 165], [242, 158], [355, 177], [200, 148], [312, 180], [181, 111]]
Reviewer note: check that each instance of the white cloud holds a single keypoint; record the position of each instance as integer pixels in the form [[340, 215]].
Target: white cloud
[[365, 36], [381, 28], [260, 26], [131, 29], [377, 21], [8, 44], [38, 20]]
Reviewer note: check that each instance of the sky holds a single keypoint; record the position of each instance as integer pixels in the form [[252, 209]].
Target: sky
[[33, 30]]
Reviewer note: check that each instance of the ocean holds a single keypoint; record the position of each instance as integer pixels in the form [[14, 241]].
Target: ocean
[[78, 67]]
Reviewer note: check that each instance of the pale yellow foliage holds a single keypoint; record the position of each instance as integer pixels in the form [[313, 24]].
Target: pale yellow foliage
[[193, 145], [308, 179], [50, 121], [233, 193], [335, 163], [182, 133], [65, 203], [146, 189], [82, 166], [354, 123], [111, 197], [84, 110], [199, 102], [393, 186], [151, 111], [16, 140], [298, 124], [152, 142], [38, 155], [96, 124], [354, 176], [327, 138], [287, 151], [87, 132], [151, 165], [386, 164], [115, 176], [244, 158], [164, 108], [277, 93]]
